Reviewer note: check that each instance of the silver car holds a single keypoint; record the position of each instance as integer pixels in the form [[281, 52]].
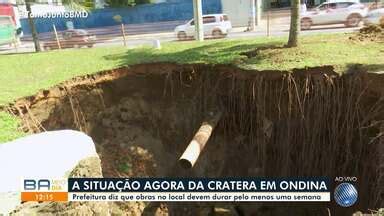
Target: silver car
[[348, 13]]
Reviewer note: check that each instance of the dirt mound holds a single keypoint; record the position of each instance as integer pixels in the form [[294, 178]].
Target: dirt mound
[[370, 33], [89, 167]]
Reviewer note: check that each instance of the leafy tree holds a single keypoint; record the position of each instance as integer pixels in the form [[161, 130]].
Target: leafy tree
[[88, 4], [143, 1]]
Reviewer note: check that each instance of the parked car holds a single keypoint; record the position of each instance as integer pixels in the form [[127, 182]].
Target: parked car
[[348, 13], [70, 39], [7, 30], [375, 17], [216, 25]]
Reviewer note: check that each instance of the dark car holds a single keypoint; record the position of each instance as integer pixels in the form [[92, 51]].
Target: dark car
[[71, 39]]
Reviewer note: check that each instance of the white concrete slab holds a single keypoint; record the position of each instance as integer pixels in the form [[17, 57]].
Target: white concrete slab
[[45, 155]]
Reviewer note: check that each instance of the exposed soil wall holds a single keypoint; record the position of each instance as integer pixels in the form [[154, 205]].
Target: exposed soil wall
[[311, 122]]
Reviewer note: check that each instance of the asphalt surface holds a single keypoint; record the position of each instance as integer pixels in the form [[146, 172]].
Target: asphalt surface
[[146, 34]]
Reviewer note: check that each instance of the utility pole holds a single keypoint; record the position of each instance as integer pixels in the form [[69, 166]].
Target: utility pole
[[253, 15], [258, 12], [198, 18]]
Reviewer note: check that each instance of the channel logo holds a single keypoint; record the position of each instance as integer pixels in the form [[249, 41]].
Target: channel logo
[[44, 190], [345, 195]]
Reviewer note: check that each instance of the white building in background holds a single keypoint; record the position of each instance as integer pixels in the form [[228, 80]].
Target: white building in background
[[239, 11]]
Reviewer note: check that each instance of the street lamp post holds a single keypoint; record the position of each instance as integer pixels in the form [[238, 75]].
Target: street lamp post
[[198, 18]]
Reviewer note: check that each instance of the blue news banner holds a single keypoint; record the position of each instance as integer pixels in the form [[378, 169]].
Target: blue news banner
[[200, 189]]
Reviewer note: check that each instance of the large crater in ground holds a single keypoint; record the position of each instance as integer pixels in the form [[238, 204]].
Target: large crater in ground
[[309, 122]]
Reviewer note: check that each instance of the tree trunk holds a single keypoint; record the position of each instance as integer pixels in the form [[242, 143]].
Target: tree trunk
[[295, 24], [32, 26]]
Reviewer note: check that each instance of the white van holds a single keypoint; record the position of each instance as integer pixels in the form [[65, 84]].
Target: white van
[[216, 25]]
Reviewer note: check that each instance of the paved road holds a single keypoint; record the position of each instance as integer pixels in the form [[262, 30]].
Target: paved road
[[134, 41], [145, 34]]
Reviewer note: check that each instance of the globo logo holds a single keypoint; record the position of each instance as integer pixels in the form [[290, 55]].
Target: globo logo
[[345, 195]]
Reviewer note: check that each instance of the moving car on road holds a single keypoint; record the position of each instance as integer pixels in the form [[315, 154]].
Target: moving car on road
[[7, 30], [71, 39], [215, 25], [348, 13], [375, 17]]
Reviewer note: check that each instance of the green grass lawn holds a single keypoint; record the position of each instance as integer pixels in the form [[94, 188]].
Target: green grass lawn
[[25, 74]]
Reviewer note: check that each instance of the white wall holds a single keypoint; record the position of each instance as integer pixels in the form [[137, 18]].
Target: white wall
[[238, 11]]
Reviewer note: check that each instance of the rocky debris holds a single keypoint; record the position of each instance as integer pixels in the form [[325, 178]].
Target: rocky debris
[[127, 208], [220, 211], [379, 212], [132, 141], [128, 138], [371, 29], [89, 167]]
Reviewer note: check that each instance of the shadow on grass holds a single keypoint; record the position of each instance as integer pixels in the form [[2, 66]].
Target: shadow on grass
[[352, 68], [255, 52], [222, 52]]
